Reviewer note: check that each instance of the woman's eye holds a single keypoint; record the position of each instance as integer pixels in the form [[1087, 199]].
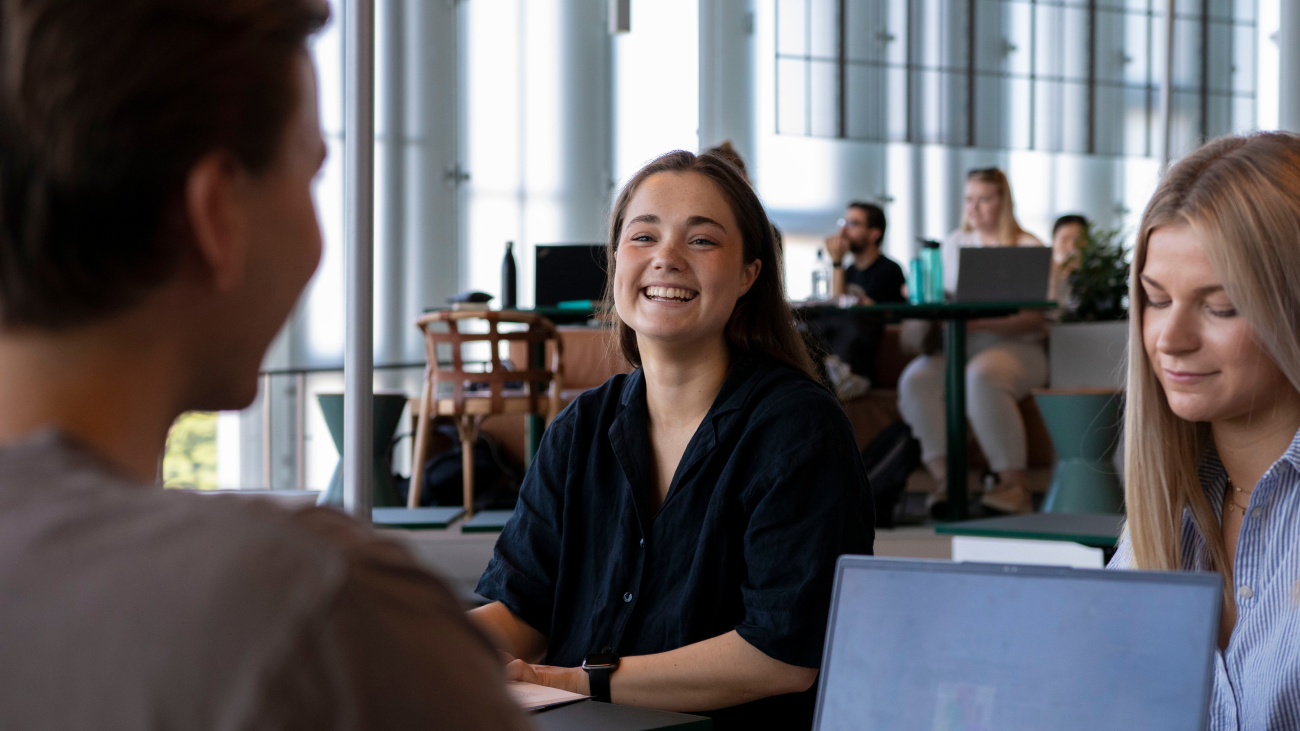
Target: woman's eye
[[701, 242], [1225, 312], [1158, 304], [641, 237]]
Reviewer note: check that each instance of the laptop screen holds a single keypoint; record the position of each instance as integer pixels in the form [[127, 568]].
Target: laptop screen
[[940, 646]]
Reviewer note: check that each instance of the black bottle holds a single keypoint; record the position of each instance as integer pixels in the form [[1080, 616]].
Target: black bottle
[[509, 290]]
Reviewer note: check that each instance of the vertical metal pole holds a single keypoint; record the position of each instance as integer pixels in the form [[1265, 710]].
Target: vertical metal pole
[[972, 37], [359, 183], [1092, 77], [1167, 88], [1205, 71], [266, 431], [300, 428], [955, 352], [842, 130]]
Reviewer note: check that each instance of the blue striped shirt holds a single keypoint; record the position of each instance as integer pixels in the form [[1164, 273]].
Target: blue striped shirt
[[1257, 679]]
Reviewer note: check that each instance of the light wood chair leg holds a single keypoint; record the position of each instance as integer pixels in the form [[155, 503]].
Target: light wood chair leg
[[468, 427], [421, 448]]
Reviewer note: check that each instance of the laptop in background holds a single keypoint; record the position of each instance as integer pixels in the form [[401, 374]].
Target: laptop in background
[[567, 272], [917, 645], [1003, 273]]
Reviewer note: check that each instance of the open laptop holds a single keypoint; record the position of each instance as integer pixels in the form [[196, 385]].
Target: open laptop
[[939, 646], [568, 272], [1003, 273]]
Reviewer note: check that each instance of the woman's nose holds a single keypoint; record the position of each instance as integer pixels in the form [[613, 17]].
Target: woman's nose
[[670, 254], [1180, 331]]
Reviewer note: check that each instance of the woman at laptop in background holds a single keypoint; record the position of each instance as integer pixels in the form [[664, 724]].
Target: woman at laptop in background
[[686, 516], [1213, 409], [1005, 360]]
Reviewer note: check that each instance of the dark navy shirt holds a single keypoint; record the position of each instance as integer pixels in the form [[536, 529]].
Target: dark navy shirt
[[882, 280], [770, 490]]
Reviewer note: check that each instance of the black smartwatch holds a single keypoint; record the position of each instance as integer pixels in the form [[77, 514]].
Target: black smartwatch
[[599, 666]]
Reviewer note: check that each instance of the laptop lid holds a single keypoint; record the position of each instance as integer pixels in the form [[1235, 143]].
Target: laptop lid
[[566, 272], [939, 646], [1003, 273]]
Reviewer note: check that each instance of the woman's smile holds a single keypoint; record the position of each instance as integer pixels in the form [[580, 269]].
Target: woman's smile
[[667, 294], [1187, 378]]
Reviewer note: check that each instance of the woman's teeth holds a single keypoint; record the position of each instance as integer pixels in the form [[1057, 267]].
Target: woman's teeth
[[669, 293]]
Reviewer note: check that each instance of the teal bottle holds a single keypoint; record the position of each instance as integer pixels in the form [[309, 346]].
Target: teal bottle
[[932, 272]]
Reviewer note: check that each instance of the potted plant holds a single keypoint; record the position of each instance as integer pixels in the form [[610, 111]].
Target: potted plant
[[1088, 345], [1087, 359]]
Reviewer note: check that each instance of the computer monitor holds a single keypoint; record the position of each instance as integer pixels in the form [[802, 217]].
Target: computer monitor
[[567, 272], [1003, 273], [940, 646]]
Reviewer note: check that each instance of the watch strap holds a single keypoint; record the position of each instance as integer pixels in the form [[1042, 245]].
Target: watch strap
[[598, 678]]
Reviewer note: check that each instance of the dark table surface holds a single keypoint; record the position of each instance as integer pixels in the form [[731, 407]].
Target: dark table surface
[[593, 716], [1099, 530]]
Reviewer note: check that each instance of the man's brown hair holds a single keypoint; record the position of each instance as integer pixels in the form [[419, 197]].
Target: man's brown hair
[[105, 106]]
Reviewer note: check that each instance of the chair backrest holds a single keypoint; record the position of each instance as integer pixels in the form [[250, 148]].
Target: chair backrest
[[535, 380]]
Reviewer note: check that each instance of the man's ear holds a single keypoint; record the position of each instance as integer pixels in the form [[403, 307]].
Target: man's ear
[[214, 203]]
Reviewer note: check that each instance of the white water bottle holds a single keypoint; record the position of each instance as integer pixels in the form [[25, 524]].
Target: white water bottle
[[821, 278]]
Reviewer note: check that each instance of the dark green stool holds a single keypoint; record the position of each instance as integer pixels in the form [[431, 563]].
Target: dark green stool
[[388, 412], [1085, 425]]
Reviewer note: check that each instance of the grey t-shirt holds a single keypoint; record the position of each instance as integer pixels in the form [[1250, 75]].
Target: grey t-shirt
[[125, 606]]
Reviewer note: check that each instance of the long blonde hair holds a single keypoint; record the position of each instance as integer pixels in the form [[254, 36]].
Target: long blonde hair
[[1009, 230], [1241, 197]]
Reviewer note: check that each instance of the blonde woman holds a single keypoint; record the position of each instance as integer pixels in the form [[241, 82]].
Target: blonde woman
[[1005, 359], [1213, 474]]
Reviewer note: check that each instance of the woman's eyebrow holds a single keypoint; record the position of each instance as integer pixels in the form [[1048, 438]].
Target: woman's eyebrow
[[1199, 291], [644, 218], [698, 220], [1150, 281]]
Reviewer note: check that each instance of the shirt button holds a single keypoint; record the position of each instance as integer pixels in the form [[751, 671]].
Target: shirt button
[[628, 596], [1256, 512], [643, 540], [1243, 591]]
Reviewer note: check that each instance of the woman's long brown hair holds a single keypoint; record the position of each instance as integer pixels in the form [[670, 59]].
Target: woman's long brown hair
[[762, 322]]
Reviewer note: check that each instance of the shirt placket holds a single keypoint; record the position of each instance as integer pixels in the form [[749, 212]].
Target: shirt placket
[[1248, 574], [632, 591]]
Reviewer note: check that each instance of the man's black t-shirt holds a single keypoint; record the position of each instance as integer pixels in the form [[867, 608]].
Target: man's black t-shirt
[[882, 281]]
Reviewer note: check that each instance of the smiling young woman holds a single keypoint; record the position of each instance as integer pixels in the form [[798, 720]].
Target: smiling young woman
[[677, 532], [1212, 421]]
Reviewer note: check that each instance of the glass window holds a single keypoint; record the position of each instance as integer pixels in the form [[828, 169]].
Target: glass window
[[1080, 76]]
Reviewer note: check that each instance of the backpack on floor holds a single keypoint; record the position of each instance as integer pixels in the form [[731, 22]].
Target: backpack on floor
[[889, 459]]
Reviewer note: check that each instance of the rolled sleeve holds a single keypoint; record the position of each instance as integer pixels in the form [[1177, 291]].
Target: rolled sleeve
[[814, 510]]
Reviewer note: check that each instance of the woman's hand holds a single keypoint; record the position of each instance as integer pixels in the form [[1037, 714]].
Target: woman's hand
[[573, 680]]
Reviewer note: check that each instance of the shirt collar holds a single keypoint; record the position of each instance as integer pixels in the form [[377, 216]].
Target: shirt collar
[[735, 388], [1214, 476]]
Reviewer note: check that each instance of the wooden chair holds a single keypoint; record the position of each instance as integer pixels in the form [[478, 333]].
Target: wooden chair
[[471, 407]]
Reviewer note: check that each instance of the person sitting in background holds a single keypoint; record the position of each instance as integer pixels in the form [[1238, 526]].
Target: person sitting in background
[[1067, 234], [1005, 360], [873, 277], [156, 229], [1212, 411], [676, 534], [852, 339]]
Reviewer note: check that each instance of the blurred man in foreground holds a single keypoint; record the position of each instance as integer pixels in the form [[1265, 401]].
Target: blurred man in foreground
[[156, 228]]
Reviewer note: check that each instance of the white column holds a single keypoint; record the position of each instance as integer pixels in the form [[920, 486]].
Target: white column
[[359, 172], [726, 38], [1288, 42]]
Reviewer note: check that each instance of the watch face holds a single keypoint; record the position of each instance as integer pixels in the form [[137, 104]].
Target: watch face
[[600, 660]]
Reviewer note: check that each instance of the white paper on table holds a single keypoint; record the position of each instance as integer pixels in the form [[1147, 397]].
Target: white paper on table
[[532, 697]]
